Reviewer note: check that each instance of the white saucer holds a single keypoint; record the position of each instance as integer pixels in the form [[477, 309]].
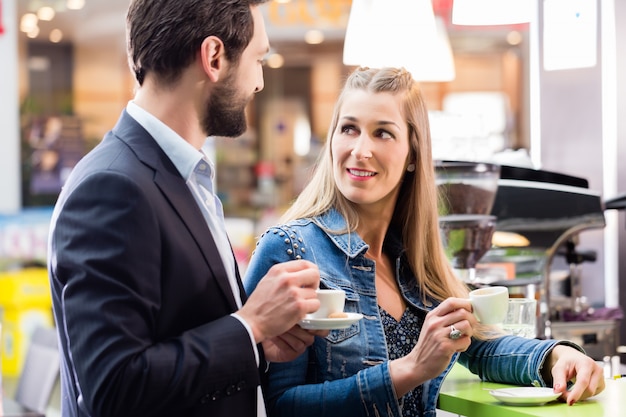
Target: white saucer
[[525, 395], [329, 324]]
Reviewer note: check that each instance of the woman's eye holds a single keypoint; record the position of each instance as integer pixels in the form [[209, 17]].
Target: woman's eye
[[383, 134], [347, 129]]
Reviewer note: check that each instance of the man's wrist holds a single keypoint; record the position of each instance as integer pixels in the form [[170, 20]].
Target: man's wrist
[[250, 333]]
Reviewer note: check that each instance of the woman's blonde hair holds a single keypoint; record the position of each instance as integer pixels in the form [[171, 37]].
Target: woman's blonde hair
[[415, 213]]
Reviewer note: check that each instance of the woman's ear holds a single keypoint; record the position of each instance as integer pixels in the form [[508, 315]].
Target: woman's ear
[[212, 56]]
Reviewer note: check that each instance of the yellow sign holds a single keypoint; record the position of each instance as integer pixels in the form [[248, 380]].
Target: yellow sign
[[321, 13]]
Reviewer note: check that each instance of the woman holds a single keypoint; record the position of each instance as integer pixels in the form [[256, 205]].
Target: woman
[[368, 219]]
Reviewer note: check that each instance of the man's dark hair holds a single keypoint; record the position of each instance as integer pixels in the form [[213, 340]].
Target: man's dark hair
[[164, 36]]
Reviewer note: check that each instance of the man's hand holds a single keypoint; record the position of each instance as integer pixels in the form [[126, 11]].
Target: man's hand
[[291, 344], [281, 299]]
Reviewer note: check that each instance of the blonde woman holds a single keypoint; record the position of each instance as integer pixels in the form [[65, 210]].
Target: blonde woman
[[368, 219]]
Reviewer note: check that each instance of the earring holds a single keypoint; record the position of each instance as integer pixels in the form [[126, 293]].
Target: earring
[[410, 168]]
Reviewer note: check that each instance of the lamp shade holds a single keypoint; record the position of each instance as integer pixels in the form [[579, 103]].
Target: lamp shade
[[357, 39], [491, 12], [399, 33]]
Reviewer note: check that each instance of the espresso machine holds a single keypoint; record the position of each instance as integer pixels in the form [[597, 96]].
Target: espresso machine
[[466, 195], [545, 212], [550, 211]]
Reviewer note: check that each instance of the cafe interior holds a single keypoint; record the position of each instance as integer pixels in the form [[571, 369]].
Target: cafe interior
[[524, 100]]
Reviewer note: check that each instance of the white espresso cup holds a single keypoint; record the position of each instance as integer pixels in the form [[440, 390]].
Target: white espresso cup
[[331, 301], [490, 304]]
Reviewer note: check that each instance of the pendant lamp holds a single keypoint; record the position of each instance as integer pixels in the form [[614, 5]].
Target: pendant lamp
[[491, 12], [399, 33], [357, 40]]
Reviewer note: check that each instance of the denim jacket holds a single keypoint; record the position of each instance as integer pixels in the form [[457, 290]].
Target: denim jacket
[[347, 373]]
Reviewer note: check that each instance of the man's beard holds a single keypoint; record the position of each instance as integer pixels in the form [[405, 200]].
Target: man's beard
[[225, 111]]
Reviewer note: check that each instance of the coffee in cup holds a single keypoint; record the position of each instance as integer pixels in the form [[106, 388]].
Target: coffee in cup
[[490, 304]]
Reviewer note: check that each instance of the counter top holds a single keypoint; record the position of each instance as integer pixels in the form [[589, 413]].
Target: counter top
[[465, 394]]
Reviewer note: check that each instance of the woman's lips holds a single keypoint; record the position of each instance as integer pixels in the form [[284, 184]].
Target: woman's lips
[[360, 173]]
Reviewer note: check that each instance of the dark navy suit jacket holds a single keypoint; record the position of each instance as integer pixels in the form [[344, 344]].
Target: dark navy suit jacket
[[140, 295]]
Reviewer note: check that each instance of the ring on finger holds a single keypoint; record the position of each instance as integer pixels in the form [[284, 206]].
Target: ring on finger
[[454, 333]]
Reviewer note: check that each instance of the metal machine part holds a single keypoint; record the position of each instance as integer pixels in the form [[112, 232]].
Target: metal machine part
[[549, 209], [574, 259]]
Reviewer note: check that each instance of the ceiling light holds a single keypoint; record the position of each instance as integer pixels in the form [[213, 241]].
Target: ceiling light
[[314, 37], [56, 35], [75, 4], [358, 32], [275, 60], [46, 13], [28, 22], [405, 35], [442, 67], [514, 37], [491, 12], [33, 33]]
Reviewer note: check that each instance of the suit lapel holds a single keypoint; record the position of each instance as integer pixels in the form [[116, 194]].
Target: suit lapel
[[173, 186]]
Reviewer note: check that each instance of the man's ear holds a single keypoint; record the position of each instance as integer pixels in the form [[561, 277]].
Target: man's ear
[[212, 56]]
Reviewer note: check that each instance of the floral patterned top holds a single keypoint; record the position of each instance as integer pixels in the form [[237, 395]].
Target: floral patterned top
[[401, 337]]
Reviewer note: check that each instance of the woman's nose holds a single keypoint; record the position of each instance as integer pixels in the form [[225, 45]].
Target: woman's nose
[[361, 148]]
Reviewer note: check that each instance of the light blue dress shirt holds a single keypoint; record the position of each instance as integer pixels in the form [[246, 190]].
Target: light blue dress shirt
[[198, 171]]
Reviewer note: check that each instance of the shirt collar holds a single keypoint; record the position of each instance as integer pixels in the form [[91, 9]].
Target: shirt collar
[[182, 154]]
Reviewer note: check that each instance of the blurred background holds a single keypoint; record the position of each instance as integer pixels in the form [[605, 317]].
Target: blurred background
[[541, 91]]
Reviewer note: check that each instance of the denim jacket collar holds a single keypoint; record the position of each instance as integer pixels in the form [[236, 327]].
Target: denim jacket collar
[[352, 246], [349, 243]]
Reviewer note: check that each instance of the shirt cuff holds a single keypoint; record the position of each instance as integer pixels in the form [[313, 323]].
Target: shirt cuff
[[252, 341]]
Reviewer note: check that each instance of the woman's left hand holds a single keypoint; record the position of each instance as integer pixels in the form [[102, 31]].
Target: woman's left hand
[[568, 364]]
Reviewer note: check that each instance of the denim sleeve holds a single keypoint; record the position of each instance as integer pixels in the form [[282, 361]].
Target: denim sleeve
[[367, 393], [290, 391], [273, 247], [509, 359]]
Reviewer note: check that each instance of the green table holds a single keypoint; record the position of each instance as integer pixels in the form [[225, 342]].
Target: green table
[[465, 394]]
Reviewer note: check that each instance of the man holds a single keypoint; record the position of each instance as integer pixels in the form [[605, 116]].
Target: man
[[151, 314]]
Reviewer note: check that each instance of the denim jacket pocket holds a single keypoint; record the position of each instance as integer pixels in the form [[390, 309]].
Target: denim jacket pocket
[[338, 284], [341, 335], [352, 298]]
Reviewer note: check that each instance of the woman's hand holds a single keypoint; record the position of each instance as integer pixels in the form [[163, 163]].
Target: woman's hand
[[436, 345], [565, 364]]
